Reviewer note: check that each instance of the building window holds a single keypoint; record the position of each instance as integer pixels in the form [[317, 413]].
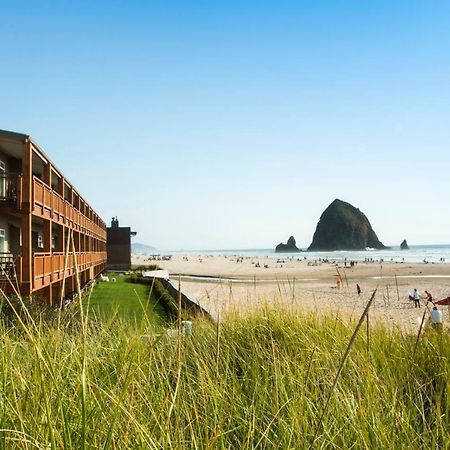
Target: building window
[[2, 241]]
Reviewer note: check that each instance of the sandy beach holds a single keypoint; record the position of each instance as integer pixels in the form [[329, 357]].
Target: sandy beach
[[232, 284]]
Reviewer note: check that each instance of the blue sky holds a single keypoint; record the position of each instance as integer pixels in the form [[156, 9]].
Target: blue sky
[[234, 124]]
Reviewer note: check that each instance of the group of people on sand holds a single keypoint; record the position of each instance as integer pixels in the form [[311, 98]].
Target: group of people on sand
[[350, 263], [415, 297], [436, 314]]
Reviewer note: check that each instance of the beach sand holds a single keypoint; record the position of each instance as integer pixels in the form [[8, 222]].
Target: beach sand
[[298, 285]]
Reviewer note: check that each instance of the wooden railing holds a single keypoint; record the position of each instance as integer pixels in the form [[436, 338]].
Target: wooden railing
[[49, 267], [49, 204], [11, 188], [11, 269]]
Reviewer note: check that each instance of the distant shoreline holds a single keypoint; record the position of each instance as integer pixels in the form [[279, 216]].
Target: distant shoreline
[[303, 249], [433, 253]]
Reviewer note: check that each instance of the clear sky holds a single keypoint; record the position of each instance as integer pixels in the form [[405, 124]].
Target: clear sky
[[234, 124]]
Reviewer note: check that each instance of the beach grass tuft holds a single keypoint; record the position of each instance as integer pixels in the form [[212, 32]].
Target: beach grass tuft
[[262, 382]]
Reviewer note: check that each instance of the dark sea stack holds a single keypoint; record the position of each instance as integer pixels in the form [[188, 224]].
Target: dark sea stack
[[404, 245], [344, 227], [290, 247]]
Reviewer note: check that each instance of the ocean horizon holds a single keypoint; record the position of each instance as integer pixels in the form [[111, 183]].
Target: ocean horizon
[[431, 253]]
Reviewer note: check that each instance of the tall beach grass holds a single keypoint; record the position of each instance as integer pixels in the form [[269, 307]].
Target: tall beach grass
[[262, 383]]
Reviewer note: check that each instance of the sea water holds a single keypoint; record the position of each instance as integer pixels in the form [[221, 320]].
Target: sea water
[[416, 253]]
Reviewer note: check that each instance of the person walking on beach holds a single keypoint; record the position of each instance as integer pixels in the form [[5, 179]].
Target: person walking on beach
[[358, 289], [429, 296], [338, 283], [416, 298]]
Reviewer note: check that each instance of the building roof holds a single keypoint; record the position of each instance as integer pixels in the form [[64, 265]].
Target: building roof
[[14, 135]]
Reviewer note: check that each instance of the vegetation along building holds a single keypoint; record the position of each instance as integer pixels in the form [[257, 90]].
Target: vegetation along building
[[48, 232]]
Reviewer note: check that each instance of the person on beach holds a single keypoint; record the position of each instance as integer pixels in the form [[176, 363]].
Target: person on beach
[[338, 283], [358, 289], [416, 297], [436, 318], [429, 296]]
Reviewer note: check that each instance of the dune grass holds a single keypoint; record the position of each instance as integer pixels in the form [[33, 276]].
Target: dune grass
[[263, 384]]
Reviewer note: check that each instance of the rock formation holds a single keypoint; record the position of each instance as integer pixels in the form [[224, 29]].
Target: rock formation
[[290, 247], [344, 227], [404, 245]]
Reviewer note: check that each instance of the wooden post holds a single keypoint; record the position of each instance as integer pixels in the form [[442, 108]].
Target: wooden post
[[48, 231], [396, 284], [61, 186], [26, 223], [345, 275]]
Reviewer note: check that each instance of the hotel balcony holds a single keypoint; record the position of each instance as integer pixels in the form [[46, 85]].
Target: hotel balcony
[[44, 223], [10, 189], [48, 268], [48, 204]]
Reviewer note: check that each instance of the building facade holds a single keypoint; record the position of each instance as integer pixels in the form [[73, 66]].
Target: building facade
[[48, 232], [119, 246]]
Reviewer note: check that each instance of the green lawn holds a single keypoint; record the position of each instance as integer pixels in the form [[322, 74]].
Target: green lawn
[[125, 299]]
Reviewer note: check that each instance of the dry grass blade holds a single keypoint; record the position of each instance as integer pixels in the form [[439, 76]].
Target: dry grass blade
[[396, 285], [308, 371], [346, 279], [421, 327], [339, 275], [217, 343], [368, 333], [177, 384], [341, 366]]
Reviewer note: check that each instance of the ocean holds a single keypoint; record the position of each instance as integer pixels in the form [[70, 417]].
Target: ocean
[[416, 253]]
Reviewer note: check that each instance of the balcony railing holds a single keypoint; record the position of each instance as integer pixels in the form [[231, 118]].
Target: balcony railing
[[49, 267], [10, 187], [10, 267], [49, 204]]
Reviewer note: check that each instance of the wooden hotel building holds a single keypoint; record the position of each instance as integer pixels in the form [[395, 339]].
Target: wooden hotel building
[[48, 232]]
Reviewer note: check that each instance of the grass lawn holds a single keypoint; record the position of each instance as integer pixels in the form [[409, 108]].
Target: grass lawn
[[127, 300]]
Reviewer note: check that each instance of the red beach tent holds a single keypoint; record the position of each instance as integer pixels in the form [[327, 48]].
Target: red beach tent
[[445, 301]]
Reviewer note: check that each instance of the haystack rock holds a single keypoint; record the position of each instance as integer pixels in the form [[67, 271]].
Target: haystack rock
[[404, 245], [344, 227], [290, 247]]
